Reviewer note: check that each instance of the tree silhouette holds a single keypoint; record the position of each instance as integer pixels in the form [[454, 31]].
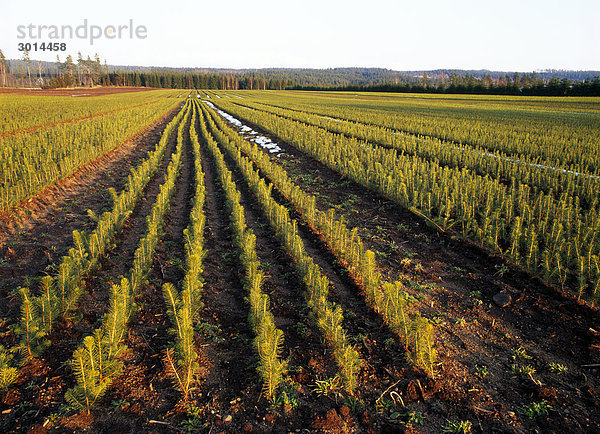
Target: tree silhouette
[[3, 68], [28, 62]]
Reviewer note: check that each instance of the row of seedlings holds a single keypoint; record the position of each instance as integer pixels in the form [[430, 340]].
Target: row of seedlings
[[183, 305], [534, 134], [389, 299], [328, 315], [269, 339], [96, 362]]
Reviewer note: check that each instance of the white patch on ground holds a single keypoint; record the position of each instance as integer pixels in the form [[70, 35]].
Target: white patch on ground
[[247, 132]]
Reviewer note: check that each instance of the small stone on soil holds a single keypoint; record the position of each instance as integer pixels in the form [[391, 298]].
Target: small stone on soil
[[502, 299]]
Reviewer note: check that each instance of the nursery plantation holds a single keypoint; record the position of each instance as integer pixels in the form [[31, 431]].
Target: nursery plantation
[[291, 261]]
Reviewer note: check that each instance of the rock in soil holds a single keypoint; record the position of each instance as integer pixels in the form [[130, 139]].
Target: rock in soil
[[502, 299]]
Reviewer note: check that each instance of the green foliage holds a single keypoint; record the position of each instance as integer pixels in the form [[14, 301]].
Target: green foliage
[[302, 330], [269, 339], [95, 365], [329, 316], [415, 418], [475, 294], [195, 421], [482, 371], [389, 299], [557, 368], [31, 328], [181, 359], [37, 153], [327, 386], [96, 362], [211, 331], [386, 404], [458, 427], [523, 371], [58, 295], [8, 373], [534, 409], [287, 396], [183, 306], [536, 204], [271, 367], [520, 353]]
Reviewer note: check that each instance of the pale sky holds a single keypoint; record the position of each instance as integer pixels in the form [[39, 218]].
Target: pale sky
[[521, 35]]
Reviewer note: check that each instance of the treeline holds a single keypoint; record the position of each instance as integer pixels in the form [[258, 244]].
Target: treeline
[[91, 72], [256, 78], [528, 85], [197, 80], [27, 72]]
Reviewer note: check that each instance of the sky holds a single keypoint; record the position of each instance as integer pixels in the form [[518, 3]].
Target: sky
[[510, 35]]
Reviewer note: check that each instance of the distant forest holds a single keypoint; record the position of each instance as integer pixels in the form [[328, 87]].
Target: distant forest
[[467, 83], [91, 72]]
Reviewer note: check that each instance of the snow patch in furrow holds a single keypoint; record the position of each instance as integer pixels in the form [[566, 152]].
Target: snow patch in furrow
[[247, 132]]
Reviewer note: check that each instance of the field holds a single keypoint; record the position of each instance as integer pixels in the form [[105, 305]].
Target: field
[[269, 261]]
